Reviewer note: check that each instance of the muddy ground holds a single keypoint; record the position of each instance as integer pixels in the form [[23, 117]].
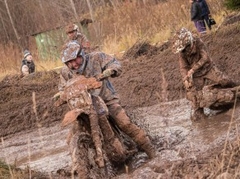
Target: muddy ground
[[153, 95]]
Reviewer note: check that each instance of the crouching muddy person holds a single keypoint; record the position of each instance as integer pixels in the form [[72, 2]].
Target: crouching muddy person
[[197, 69]]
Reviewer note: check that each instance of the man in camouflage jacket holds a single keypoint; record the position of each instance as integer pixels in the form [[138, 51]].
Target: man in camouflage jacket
[[73, 33], [196, 67], [102, 67]]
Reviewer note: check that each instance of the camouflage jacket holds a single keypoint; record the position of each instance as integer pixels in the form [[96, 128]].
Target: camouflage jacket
[[195, 58], [96, 63], [82, 40]]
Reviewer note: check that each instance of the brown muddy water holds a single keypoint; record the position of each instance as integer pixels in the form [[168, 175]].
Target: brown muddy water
[[175, 136]]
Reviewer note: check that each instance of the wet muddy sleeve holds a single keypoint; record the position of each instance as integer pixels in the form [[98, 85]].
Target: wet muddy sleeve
[[203, 59], [84, 41], [62, 83], [183, 66], [109, 62]]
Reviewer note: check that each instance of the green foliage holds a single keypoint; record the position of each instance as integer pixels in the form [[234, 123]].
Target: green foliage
[[232, 4]]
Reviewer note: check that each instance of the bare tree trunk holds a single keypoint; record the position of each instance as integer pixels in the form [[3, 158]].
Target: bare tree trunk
[[74, 10], [43, 12], [97, 30], [5, 30], [13, 26]]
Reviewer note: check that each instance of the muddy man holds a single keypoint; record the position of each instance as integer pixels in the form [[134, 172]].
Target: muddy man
[[102, 67], [196, 67]]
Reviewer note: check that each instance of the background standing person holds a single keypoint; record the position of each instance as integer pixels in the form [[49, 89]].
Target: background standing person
[[73, 33], [205, 12], [196, 16], [28, 65], [196, 68], [102, 67]]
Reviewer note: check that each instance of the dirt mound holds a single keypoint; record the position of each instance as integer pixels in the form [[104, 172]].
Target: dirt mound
[[150, 73], [231, 19], [153, 76], [27, 102], [142, 48]]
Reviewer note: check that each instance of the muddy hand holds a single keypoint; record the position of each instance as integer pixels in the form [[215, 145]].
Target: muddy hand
[[106, 73], [57, 100], [187, 84], [56, 96], [187, 81]]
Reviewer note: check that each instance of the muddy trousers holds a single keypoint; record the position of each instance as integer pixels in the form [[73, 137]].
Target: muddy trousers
[[132, 130]]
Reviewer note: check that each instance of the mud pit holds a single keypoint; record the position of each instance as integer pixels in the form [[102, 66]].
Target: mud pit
[[154, 99]]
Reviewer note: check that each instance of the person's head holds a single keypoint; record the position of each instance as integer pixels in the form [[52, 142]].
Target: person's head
[[73, 55], [182, 39], [71, 31], [27, 55]]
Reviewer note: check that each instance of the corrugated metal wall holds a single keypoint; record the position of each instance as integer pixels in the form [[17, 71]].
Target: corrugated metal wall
[[49, 44]]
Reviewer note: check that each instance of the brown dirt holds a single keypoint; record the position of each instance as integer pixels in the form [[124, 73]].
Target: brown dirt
[[18, 102], [150, 75], [154, 76]]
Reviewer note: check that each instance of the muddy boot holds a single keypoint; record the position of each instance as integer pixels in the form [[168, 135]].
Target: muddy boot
[[136, 133], [142, 140], [198, 114]]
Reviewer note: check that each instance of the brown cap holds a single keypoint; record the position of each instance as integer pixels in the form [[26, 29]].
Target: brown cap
[[71, 27]]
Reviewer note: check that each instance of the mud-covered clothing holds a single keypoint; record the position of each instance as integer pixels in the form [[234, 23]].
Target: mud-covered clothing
[[27, 67], [96, 63], [214, 97], [197, 59], [137, 134], [82, 40]]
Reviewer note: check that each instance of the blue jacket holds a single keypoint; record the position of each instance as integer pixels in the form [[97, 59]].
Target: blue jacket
[[204, 7], [196, 13]]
